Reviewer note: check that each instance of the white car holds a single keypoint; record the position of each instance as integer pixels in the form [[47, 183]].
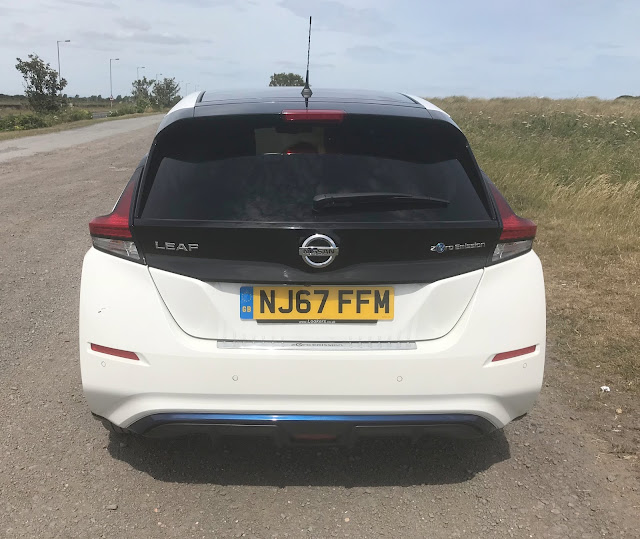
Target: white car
[[313, 271]]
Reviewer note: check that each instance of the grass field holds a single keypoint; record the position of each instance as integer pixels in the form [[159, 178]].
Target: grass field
[[6, 109], [573, 166], [17, 120], [19, 104], [10, 135]]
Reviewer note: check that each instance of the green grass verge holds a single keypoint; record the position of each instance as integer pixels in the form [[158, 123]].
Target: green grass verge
[[574, 167], [8, 135]]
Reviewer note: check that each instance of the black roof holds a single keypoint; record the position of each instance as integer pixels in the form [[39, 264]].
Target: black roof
[[276, 99], [293, 94]]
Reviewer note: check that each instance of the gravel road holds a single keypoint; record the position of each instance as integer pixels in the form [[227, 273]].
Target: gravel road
[[62, 474]]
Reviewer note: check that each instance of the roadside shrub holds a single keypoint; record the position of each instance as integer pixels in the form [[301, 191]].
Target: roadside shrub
[[16, 122], [32, 120], [123, 110], [75, 115], [142, 105]]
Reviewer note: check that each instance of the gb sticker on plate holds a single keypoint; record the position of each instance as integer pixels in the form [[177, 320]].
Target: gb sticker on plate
[[246, 302]]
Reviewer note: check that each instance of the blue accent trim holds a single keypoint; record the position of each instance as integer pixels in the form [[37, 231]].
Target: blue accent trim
[[152, 421], [405, 418], [246, 303]]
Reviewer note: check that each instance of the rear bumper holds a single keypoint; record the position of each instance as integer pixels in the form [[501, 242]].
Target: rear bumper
[[182, 382], [288, 429]]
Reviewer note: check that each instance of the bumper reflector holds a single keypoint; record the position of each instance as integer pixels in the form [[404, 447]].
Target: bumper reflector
[[114, 352], [514, 353]]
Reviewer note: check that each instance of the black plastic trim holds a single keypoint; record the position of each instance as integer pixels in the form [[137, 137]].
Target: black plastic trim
[[291, 428]]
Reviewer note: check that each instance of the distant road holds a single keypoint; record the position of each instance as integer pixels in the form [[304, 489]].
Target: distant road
[[27, 146]]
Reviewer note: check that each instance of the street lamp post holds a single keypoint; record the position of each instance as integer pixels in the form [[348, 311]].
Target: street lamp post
[[58, 46], [186, 90], [111, 78], [157, 76], [138, 72]]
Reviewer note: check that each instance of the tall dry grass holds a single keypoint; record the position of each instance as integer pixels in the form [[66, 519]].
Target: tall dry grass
[[574, 167]]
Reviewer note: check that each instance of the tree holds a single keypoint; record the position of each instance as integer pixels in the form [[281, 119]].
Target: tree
[[141, 93], [286, 79], [42, 86], [141, 88], [165, 93]]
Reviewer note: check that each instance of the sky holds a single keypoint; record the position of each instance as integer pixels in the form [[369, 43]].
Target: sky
[[488, 48]]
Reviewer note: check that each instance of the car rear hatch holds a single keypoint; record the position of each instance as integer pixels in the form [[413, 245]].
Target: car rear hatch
[[249, 222]]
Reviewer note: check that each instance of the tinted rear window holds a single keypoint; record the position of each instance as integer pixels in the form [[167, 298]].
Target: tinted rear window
[[261, 169]]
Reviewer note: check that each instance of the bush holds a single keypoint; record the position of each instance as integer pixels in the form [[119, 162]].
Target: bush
[[75, 115], [32, 120], [123, 110], [16, 122], [142, 105]]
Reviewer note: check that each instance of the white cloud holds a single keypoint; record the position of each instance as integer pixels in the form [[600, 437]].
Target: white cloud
[[133, 23], [422, 46]]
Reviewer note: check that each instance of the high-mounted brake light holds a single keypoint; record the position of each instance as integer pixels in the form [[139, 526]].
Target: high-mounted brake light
[[114, 352], [317, 115], [111, 232], [517, 232], [514, 353]]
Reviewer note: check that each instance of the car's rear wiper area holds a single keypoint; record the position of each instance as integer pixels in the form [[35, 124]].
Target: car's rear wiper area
[[381, 200]]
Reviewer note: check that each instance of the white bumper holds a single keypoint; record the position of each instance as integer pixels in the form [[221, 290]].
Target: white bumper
[[121, 308]]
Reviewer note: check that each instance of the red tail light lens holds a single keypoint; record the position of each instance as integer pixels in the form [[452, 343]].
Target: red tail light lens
[[114, 352], [514, 227], [304, 115], [115, 224], [111, 233], [517, 232], [514, 353]]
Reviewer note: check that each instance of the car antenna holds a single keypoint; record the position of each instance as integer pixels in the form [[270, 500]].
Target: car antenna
[[306, 91]]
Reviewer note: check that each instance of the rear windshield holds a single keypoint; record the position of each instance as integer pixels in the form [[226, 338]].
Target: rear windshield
[[261, 169]]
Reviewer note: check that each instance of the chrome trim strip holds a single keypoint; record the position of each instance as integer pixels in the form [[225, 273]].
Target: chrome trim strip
[[309, 345]]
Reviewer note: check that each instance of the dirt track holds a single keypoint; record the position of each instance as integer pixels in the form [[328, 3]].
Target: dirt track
[[63, 475]]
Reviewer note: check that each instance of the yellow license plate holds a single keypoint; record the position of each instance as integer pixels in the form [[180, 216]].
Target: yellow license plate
[[331, 303]]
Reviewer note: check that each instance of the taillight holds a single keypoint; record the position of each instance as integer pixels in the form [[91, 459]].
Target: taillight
[[517, 233], [111, 233], [318, 115]]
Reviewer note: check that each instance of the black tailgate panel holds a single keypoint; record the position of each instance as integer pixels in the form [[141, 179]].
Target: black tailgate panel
[[270, 255]]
